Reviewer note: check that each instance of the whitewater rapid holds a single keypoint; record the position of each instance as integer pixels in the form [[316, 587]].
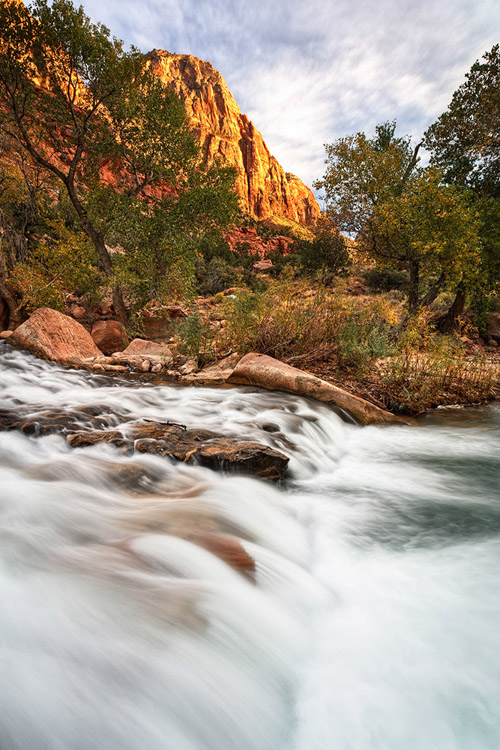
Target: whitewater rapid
[[373, 621]]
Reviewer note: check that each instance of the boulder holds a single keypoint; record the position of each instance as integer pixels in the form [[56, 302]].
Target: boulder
[[78, 312], [157, 327], [263, 265], [52, 335], [143, 355], [247, 458], [95, 425], [175, 311], [189, 367], [267, 372], [109, 335], [209, 449], [215, 374], [145, 348]]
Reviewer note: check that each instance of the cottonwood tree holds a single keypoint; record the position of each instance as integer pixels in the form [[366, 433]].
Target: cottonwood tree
[[465, 143], [403, 215]]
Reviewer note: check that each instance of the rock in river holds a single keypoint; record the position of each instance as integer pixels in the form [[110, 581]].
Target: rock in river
[[195, 446]]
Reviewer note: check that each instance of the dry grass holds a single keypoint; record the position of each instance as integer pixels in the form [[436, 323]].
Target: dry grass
[[291, 322], [348, 340], [415, 382]]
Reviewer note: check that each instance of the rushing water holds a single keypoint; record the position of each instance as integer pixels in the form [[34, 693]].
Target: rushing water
[[373, 623]]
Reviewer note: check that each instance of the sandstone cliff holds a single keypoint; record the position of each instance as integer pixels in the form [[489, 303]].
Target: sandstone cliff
[[266, 190]]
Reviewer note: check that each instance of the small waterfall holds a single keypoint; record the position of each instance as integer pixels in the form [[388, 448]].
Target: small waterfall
[[370, 622]]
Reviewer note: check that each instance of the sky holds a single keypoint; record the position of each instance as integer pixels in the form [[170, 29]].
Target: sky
[[310, 71]]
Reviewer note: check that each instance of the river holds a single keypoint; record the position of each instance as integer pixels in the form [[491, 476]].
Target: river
[[373, 622]]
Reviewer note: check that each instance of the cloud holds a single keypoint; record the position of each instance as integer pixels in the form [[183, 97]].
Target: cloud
[[307, 73]]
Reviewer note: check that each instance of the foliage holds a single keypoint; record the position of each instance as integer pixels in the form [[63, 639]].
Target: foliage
[[384, 279], [403, 215], [464, 141], [325, 252], [102, 124], [215, 275], [196, 338], [364, 172], [414, 382], [285, 323], [56, 264], [363, 337]]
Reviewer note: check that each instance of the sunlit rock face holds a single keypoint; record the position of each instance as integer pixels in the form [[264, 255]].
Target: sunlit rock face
[[266, 190]]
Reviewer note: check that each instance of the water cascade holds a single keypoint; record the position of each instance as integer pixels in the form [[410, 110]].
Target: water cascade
[[371, 621]]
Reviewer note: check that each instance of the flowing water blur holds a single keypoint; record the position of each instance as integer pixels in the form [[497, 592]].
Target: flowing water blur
[[373, 623]]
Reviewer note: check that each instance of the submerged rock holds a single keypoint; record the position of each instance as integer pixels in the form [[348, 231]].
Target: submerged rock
[[84, 428]]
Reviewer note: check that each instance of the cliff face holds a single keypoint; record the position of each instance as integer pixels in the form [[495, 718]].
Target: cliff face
[[266, 190]]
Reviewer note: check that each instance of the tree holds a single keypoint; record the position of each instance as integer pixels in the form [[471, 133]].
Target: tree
[[96, 118], [465, 140], [402, 215], [465, 143], [325, 252]]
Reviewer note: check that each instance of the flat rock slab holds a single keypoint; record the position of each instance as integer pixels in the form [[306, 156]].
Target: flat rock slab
[[196, 446], [215, 374], [267, 372]]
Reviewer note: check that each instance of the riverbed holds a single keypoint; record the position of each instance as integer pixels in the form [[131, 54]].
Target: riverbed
[[371, 622]]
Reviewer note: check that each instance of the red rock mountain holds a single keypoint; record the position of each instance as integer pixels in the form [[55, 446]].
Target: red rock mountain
[[266, 190]]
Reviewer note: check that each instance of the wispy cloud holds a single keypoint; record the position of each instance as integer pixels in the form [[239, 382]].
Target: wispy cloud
[[307, 73]]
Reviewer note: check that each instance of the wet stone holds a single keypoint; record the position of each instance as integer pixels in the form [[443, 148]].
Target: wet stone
[[95, 425]]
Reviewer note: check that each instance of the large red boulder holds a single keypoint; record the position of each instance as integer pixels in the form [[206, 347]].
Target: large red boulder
[[52, 335], [110, 336]]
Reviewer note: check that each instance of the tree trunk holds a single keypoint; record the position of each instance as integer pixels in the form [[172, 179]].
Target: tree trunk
[[450, 321], [5, 294], [414, 284], [420, 304], [98, 241]]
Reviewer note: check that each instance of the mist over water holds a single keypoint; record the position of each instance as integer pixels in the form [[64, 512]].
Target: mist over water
[[373, 622]]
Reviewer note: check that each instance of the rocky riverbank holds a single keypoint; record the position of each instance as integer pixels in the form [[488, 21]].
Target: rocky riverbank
[[54, 336]]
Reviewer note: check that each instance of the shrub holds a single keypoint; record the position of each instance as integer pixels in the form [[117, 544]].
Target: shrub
[[386, 279], [301, 329], [363, 337], [413, 382], [213, 245], [326, 252], [196, 338], [214, 276]]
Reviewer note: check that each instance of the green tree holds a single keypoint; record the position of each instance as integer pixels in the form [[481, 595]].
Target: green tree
[[402, 215], [97, 119], [465, 143], [465, 140], [326, 252]]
